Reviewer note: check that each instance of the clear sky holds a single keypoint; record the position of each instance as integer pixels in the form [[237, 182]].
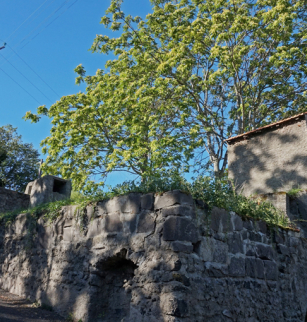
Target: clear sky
[[46, 40]]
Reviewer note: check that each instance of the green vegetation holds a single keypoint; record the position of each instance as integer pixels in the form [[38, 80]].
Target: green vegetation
[[18, 160], [294, 192], [189, 75], [213, 193]]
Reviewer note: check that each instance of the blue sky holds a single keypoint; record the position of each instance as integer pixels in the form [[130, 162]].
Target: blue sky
[[50, 37]]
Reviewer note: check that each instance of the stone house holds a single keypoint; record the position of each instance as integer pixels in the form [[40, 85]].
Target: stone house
[[270, 161]]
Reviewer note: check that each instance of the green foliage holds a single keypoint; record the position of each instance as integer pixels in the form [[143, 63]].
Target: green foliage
[[184, 79], [294, 192], [18, 160]]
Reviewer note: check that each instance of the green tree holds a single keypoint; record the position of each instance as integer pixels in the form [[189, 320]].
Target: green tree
[[184, 79], [18, 160]]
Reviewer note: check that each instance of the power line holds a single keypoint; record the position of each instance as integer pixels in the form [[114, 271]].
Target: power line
[[60, 7], [33, 71], [19, 85], [27, 78], [48, 24], [27, 19]]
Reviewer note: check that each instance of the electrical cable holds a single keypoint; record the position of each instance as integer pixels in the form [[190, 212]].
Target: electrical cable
[[19, 85], [26, 78], [33, 17], [27, 19], [54, 12], [33, 71], [48, 24]]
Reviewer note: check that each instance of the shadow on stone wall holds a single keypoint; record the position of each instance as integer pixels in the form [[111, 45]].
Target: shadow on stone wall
[[77, 270], [157, 259], [269, 162]]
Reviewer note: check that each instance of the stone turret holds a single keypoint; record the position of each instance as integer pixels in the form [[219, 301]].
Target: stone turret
[[48, 188]]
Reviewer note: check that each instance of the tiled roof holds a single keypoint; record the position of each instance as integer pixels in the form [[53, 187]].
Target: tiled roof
[[284, 122]]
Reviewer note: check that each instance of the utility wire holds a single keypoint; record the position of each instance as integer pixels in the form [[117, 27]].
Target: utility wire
[[54, 12], [19, 85], [26, 78], [49, 23], [33, 71], [27, 19]]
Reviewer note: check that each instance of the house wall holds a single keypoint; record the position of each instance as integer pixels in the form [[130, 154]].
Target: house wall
[[270, 161], [149, 258]]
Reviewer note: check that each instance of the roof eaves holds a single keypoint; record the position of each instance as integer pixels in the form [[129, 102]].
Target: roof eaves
[[246, 135]]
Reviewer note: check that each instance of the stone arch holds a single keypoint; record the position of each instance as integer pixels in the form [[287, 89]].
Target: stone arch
[[110, 283]]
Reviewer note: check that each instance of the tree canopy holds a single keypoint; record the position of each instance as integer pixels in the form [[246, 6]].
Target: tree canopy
[[18, 160], [189, 75]]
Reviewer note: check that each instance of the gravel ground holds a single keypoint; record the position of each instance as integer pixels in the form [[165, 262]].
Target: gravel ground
[[16, 309]]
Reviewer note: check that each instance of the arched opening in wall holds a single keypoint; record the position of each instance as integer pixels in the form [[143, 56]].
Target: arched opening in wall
[[111, 298]]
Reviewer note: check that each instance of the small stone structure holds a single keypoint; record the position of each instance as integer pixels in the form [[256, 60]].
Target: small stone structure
[[149, 258], [12, 200], [48, 188], [270, 159]]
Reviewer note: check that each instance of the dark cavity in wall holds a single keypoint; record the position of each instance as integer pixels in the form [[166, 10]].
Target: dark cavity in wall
[[111, 297], [59, 186]]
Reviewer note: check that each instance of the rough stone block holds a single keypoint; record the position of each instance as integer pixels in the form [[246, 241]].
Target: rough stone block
[[206, 249], [235, 243], [271, 272], [254, 236], [254, 268], [174, 306], [284, 250], [262, 226], [95, 227], [237, 266], [237, 222], [68, 233], [113, 223], [21, 224], [44, 234], [178, 228], [215, 270], [178, 246], [172, 198], [178, 210], [131, 203], [248, 224], [146, 222], [221, 220], [264, 252], [220, 252], [147, 201]]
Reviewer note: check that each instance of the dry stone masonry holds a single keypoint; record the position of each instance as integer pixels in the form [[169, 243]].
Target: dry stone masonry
[[12, 200], [146, 257]]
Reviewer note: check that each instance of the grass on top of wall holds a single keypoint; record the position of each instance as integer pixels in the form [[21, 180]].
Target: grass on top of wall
[[213, 193]]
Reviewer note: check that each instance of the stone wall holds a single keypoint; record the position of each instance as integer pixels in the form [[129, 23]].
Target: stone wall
[[12, 200], [272, 160], [156, 258]]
